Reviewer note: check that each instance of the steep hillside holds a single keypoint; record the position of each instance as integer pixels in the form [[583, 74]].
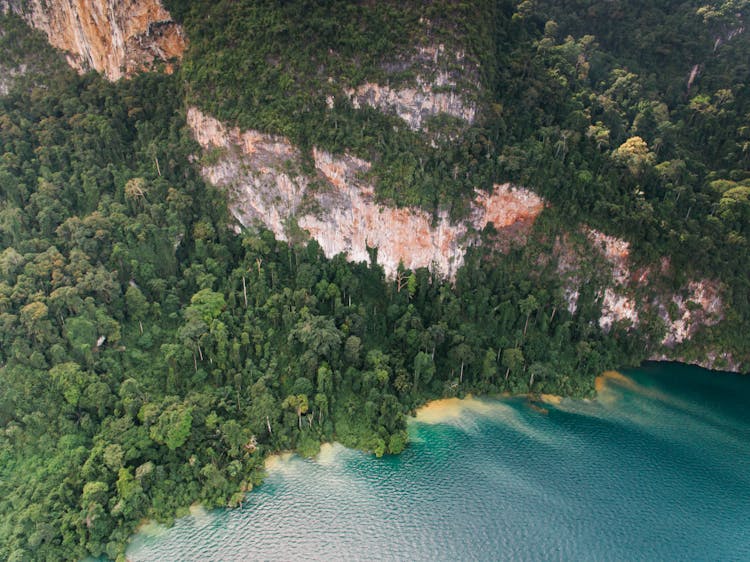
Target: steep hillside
[[113, 37], [309, 225], [266, 179]]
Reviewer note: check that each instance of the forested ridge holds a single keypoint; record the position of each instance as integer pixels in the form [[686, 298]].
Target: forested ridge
[[151, 357]]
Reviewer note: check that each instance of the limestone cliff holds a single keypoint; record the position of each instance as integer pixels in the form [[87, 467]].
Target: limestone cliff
[[435, 89], [332, 201], [696, 304], [631, 295], [337, 207], [115, 37]]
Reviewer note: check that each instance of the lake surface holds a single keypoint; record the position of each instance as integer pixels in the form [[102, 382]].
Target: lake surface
[[657, 468]]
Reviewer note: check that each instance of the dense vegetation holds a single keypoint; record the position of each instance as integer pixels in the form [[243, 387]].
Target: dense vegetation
[[633, 117], [590, 103], [151, 358], [272, 66]]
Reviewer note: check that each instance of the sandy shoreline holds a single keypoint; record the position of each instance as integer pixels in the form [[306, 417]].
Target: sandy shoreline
[[273, 461], [553, 399], [448, 409]]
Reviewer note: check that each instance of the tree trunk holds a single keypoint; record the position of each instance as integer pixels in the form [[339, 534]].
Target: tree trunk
[[268, 425], [244, 290], [507, 372], [461, 374]]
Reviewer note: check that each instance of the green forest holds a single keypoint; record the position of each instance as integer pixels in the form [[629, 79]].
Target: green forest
[[151, 357]]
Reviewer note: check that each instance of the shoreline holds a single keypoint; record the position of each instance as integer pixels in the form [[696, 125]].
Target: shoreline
[[440, 410]]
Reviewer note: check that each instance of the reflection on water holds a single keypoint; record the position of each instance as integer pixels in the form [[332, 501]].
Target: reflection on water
[[657, 468]]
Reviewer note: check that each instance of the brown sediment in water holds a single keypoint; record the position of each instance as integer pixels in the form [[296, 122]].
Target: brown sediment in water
[[538, 409], [450, 409], [440, 410], [328, 453], [454, 410], [150, 528], [198, 510], [616, 377], [608, 378]]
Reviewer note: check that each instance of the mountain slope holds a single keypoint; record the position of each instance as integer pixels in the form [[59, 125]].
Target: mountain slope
[[308, 229]]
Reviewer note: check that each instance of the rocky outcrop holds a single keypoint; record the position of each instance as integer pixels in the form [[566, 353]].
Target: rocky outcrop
[[8, 76], [698, 304], [617, 305], [331, 200], [631, 295], [434, 91], [336, 206], [114, 37], [413, 104]]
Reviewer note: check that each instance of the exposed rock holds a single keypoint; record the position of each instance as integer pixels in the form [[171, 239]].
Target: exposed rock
[[719, 40], [697, 304], [617, 304], [115, 37], [435, 89], [617, 307], [337, 206], [629, 294], [700, 305], [692, 76], [712, 360], [615, 251], [8, 76], [413, 104]]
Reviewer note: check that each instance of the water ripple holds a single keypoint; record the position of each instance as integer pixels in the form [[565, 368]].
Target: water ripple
[[657, 469]]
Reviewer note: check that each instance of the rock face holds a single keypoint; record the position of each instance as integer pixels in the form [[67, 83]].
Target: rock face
[[616, 306], [413, 104], [7, 76], [337, 207], [631, 295], [635, 298], [115, 37], [694, 305], [434, 91]]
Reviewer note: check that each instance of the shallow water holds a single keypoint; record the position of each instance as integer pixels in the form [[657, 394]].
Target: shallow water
[[657, 468]]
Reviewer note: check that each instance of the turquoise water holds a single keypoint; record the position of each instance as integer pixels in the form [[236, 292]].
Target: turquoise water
[[657, 468]]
